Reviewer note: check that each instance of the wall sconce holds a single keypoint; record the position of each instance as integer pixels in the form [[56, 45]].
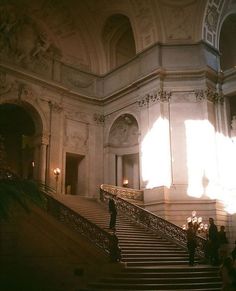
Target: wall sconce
[[56, 172], [125, 182]]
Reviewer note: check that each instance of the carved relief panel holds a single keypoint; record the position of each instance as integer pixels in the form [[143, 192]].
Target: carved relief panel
[[76, 136], [25, 42], [124, 131]]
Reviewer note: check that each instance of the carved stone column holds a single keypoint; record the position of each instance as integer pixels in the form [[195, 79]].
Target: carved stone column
[[136, 175], [43, 153], [36, 162], [119, 171]]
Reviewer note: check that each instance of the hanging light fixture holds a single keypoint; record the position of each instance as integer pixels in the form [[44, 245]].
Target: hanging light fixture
[[197, 222]]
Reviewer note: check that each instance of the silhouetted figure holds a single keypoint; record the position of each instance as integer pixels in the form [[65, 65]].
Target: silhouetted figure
[[191, 243], [228, 275], [115, 251], [213, 242], [223, 244], [113, 213]]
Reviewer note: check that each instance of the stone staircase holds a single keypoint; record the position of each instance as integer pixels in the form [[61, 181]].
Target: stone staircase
[[151, 262]]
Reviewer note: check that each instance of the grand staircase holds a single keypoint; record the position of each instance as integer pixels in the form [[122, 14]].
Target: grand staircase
[[150, 261]]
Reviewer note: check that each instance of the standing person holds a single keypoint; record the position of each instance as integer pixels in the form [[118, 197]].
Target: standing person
[[113, 213], [115, 251], [223, 242], [191, 243], [213, 242]]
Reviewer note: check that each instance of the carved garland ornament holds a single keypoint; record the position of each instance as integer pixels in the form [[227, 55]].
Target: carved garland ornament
[[209, 95], [157, 96]]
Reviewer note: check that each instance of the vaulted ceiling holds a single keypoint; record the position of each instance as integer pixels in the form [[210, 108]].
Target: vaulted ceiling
[[98, 35], [74, 29]]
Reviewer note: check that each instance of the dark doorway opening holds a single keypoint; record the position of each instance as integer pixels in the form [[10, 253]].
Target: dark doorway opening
[[131, 170], [17, 130], [75, 174]]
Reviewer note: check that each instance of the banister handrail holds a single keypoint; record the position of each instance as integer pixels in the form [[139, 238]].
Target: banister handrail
[[152, 221], [124, 192], [74, 220]]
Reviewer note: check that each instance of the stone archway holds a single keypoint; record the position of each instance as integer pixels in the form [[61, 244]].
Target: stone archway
[[21, 129], [124, 152]]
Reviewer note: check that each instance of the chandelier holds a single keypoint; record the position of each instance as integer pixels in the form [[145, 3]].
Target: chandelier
[[198, 225]]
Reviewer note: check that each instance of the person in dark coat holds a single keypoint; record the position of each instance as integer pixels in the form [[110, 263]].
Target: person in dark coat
[[113, 213], [223, 244], [115, 251], [191, 243], [213, 243]]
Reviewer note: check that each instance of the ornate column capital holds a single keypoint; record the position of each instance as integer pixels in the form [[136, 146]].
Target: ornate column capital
[[55, 107], [99, 118]]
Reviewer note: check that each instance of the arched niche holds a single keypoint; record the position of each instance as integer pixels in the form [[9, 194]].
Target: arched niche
[[227, 43], [118, 40], [123, 143], [124, 132]]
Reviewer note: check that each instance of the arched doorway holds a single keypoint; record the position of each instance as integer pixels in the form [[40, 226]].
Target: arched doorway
[[124, 148], [19, 128]]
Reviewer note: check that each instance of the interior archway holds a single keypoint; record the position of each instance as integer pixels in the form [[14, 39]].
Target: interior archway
[[118, 40], [124, 145], [227, 43], [18, 130]]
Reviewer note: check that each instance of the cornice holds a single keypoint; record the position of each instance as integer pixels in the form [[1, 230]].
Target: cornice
[[159, 74]]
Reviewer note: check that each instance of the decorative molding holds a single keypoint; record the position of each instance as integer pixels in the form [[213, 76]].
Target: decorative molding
[[212, 18], [45, 138], [156, 96], [144, 21], [24, 91]]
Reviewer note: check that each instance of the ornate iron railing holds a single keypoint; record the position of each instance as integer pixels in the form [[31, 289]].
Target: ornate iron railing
[[126, 193], [152, 221], [74, 220]]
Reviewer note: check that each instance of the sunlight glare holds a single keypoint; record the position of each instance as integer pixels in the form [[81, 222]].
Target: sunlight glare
[[155, 155], [211, 160]]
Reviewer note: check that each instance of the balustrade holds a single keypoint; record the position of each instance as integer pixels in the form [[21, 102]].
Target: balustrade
[[151, 221]]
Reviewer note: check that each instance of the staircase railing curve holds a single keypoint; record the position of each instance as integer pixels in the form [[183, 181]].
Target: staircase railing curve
[[152, 221], [74, 220]]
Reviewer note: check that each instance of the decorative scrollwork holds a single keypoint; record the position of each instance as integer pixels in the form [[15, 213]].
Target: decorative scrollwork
[[151, 221], [126, 193]]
